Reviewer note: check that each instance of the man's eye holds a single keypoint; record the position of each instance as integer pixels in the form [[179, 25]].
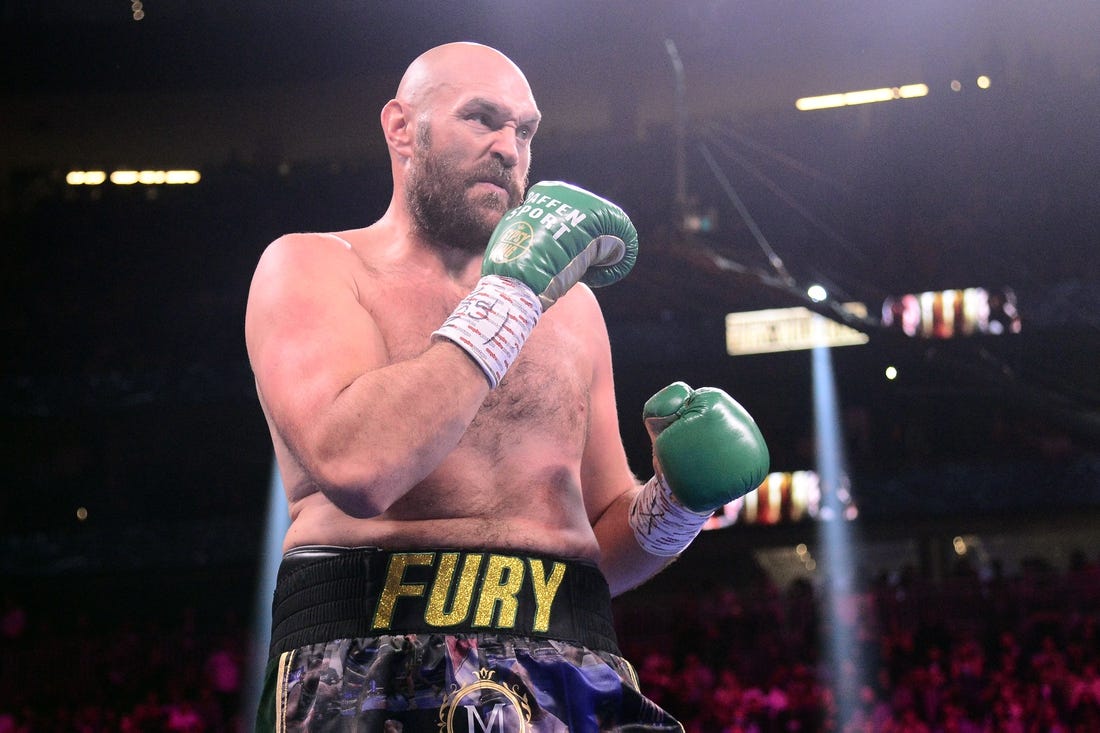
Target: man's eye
[[523, 132], [482, 119]]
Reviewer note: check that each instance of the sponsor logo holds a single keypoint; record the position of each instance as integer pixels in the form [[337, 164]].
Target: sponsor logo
[[485, 705], [514, 242]]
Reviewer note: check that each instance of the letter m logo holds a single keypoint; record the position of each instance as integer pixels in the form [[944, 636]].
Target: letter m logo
[[495, 723]]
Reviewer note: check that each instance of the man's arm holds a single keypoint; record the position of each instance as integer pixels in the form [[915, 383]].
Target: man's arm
[[609, 484], [707, 452], [366, 431]]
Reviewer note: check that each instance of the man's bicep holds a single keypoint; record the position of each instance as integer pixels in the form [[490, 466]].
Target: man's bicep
[[308, 336], [606, 473]]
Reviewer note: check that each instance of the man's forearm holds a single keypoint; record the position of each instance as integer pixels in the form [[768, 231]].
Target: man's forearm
[[623, 562], [391, 427]]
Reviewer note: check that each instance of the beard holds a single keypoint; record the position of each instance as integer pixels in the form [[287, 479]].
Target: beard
[[443, 211]]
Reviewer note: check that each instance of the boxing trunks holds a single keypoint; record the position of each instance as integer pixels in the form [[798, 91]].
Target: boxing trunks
[[443, 640]]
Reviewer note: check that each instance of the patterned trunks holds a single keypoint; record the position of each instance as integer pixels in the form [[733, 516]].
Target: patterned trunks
[[446, 641]]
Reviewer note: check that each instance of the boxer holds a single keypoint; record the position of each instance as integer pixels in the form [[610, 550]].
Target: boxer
[[439, 392]]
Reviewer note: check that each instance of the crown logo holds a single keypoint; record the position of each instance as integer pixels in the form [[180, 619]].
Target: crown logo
[[484, 705]]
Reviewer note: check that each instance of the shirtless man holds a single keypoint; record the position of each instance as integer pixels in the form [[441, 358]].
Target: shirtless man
[[440, 398]]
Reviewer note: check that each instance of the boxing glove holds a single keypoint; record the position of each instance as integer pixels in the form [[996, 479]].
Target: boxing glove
[[707, 451], [559, 236]]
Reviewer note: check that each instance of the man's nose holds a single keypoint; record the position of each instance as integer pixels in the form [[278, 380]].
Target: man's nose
[[506, 145]]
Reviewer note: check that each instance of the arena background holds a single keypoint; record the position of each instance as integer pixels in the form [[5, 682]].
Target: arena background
[[136, 459]]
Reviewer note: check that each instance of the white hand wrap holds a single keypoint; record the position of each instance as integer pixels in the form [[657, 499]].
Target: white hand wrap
[[662, 525], [492, 323]]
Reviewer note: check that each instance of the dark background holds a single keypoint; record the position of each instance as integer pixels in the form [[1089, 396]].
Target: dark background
[[125, 387]]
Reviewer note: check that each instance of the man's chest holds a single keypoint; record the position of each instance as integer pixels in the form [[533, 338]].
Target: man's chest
[[546, 389]]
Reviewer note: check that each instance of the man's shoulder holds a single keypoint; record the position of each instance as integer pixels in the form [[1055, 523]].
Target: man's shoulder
[[580, 301], [311, 242], [306, 251]]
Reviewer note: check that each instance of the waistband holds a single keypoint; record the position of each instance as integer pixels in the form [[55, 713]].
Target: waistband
[[324, 593]]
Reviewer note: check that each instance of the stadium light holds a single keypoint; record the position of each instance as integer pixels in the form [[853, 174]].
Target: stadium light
[[130, 177], [789, 329], [837, 539], [865, 96], [952, 313], [85, 178], [124, 178]]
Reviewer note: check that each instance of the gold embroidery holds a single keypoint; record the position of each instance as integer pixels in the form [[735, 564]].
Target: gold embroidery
[[436, 613], [503, 578], [395, 587], [282, 690], [545, 590]]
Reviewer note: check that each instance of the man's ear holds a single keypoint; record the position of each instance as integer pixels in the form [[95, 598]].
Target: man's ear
[[397, 126]]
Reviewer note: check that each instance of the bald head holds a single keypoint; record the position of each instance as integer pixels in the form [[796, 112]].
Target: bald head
[[458, 66]]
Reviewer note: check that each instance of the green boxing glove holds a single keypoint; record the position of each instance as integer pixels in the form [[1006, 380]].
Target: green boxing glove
[[559, 236], [707, 451]]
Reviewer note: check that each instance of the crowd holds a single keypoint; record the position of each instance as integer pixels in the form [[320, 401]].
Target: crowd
[[969, 653], [67, 669]]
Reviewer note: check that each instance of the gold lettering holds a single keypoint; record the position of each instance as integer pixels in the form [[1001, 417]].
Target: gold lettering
[[545, 590], [395, 587], [436, 613], [503, 578]]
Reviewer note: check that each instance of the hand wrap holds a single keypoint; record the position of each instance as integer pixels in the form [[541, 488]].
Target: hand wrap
[[662, 525], [492, 323]]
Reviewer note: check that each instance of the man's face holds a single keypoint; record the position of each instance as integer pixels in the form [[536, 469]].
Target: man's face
[[448, 206]]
